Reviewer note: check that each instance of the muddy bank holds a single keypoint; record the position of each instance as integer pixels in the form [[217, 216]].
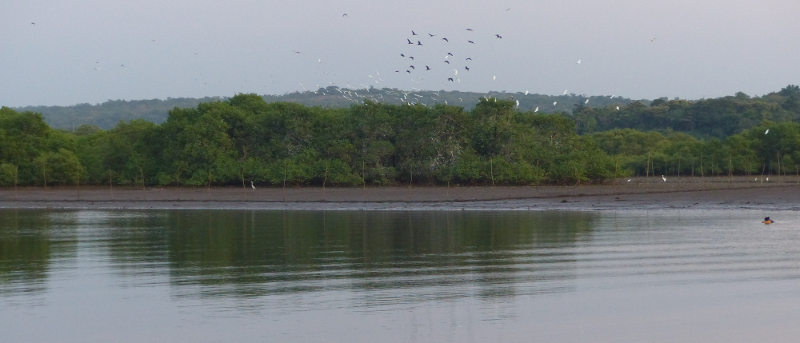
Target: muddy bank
[[641, 193]]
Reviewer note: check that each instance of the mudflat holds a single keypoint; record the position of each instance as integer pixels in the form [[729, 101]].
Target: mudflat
[[777, 194]]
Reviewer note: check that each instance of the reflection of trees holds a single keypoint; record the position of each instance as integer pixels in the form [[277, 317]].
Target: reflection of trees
[[254, 253], [27, 245]]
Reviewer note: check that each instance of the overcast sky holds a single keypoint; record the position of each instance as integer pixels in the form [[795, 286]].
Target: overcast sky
[[75, 51]]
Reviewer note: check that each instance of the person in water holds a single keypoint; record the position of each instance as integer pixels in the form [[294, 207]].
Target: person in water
[[767, 221]]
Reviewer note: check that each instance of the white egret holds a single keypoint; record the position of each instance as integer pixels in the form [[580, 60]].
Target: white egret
[[494, 78], [766, 132], [536, 110], [252, 185], [663, 178], [526, 92], [565, 92], [587, 101], [579, 61], [554, 103], [617, 108]]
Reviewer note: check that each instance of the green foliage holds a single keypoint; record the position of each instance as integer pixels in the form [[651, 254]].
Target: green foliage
[[245, 139]]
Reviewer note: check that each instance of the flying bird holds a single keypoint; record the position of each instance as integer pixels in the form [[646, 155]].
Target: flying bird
[[455, 71], [469, 29], [343, 15], [617, 108], [418, 43], [449, 54], [499, 36], [467, 68], [449, 79], [411, 57], [579, 61], [412, 67], [448, 62], [431, 35], [409, 41], [766, 132], [469, 59], [536, 110], [494, 77], [408, 71], [517, 103], [445, 39], [427, 68], [32, 23], [471, 42], [413, 33], [402, 55], [652, 40], [587, 101], [565, 92], [554, 103], [526, 92]]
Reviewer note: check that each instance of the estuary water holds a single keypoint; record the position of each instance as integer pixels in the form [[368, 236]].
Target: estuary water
[[427, 276]]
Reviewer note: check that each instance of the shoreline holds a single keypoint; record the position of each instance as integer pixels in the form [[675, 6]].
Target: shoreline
[[639, 194]]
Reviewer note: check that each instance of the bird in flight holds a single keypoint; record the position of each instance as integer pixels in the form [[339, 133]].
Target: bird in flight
[[449, 79], [471, 42], [652, 40], [32, 23], [469, 58], [617, 108], [418, 43], [413, 33], [526, 92], [445, 39], [449, 54], [430, 34], [536, 110], [448, 62], [411, 57], [409, 41], [427, 68], [579, 61], [402, 55], [469, 29], [412, 67], [554, 103], [467, 68], [766, 132], [494, 78], [343, 15], [587, 101], [565, 92], [455, 70], [499, 36], [408, 71]]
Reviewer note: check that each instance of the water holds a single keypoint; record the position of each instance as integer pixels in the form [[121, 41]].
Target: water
[[272, 276]]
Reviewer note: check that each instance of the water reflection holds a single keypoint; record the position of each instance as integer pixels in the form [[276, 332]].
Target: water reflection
[[253, 253], [29, 242]]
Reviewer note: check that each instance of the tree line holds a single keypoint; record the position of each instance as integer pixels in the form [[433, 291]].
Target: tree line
[[245, 138]]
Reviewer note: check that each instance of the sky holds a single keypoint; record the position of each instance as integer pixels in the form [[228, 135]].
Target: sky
[[90, 51]]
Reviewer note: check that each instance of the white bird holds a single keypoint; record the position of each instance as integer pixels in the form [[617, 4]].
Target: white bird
[[767, 179], [629, 180], [455, 71], [587, 101], [766, 132], [494, 78], [526, 92], [617, 108], [565, 92], [536, 110], [554, 103], [663, 178], [579, 61], [517, 103], [252, 185], [612, 97]]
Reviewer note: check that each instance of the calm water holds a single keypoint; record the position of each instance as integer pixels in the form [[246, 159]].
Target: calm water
[[258, 276]]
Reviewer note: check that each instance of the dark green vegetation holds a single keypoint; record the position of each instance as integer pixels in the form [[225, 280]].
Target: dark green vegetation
[[245, 138], [109, 113]]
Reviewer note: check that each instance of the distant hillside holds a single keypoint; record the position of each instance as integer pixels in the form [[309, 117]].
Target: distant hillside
[[108, 114]]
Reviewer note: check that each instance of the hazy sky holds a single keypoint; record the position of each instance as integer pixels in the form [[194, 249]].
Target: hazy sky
[[76, 50]]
